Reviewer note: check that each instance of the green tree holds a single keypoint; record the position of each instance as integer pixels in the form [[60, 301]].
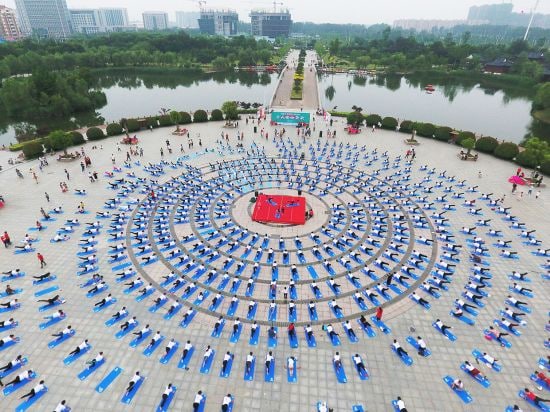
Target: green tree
[[175, 117], [468, 144], [59, 140], [334, 46], [230, 109], [539, 148]]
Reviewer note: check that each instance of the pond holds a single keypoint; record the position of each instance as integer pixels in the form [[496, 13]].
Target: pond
[[458, 103], [142, 92]]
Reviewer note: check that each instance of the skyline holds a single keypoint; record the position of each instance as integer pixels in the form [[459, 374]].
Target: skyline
[[309, 11]]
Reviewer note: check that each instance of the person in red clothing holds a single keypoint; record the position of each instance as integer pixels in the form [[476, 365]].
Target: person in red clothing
[[6, 239], [41, 260], [534, 398], [543, 377], [291, 330], [379, 312]]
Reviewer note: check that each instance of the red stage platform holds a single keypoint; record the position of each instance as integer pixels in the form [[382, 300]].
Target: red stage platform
[[280, 209]]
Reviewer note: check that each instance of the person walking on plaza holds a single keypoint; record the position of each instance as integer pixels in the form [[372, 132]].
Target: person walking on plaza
[[41, 260]]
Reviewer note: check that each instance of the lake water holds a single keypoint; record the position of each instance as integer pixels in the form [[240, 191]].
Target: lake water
[[455, 103], [135, 93], [501, 114]]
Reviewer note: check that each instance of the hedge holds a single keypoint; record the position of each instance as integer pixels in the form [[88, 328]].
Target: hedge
[[165, 121], [545, 167], [152, 122], [424, 129], [389, 123], [443, 133], [95, 133], [32, 149], [406, 126], [200, 116], [373, 119], [114, 129], [77, 138], [185, 118], [132, 125], [527, 159], [216, 115], [506, 150], [486, 144]]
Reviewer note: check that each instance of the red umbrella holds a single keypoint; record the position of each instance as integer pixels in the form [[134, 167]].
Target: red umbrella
[[517, 180]]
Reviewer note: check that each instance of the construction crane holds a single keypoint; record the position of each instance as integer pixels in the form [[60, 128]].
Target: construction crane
[[280, 3], [533, 11]]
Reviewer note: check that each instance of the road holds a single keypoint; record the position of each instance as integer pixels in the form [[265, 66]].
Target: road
[[310, 96]]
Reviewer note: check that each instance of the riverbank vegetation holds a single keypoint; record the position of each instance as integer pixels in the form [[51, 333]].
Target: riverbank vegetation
[[136, 49], [298, 81]]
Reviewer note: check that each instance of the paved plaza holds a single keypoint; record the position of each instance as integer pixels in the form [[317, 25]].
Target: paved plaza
[[198, 221]]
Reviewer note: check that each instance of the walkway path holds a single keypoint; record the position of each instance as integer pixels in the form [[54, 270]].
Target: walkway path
[[310, 96]]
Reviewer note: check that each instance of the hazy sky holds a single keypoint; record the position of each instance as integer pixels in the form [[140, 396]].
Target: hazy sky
[[339, 11]]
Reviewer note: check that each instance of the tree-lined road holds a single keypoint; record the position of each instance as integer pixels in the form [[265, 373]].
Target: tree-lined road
[[310, 96]]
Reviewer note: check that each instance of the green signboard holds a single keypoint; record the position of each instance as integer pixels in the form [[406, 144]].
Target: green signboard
[[291, 118]]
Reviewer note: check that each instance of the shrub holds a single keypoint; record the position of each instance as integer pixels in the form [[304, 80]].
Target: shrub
[[77, 138], [506, 150], [389, 123], [486, 144], [217, 115], [185, 118], [545, 167], [527, 158], [114, 129], [165, 120], [132, 125], [354, 118], [463, 136], [373, 119], [95, 133], [200, 116], [32, 149], [406, 126], [443, 133], [152, 122], [425, 129]]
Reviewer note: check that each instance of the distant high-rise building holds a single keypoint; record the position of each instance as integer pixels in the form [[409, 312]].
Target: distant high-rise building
[[155, 20], [9, 29], [90, 21], [187, 19], [44, 18], [270, 23], [221, 22]]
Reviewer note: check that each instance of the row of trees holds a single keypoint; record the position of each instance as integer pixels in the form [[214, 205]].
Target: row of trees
[[409, 54], [133, 49], [47, 94]]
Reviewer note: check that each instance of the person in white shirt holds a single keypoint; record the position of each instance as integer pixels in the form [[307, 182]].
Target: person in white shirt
[[207, 354], [169, 389], [337, 361], [170, 345], [359, 363], [226, 403], [198, 400], [155, 339], [421, 346], [37, 389], [401, 405], [248, 364], [186, 349], [135, 379], [226, 358], [62, 407], [268, 359], [96, 360], [84, 345], [21, 377]]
